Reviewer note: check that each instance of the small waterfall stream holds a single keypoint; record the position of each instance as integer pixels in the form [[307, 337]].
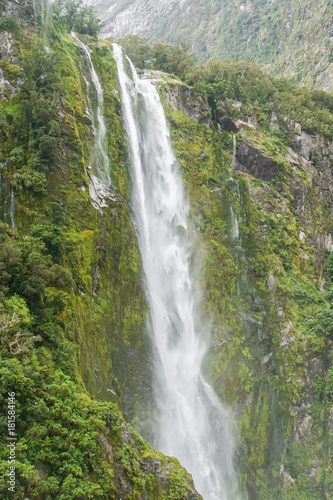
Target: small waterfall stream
[[192, 423], [234, 150], [35, 11], [99, 159], [42, 12], [234, 224], [12, 207], [234, 187]]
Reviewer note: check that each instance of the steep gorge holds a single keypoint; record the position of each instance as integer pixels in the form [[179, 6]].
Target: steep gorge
[[291, 38], [73, 274]]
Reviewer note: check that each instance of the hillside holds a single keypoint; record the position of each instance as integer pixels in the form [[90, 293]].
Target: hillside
[[293, 38], [255, 155]]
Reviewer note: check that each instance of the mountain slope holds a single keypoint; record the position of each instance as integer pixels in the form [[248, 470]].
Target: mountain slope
[[256, 157], [295, 38], [72, 304]]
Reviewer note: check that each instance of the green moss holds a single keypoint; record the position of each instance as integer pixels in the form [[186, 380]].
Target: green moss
[[11, 71], [247, 364], [11, 24]]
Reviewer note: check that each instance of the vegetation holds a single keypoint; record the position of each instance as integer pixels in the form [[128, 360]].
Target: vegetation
[[73, 311], [263, 343], [75, 16], [254, 30], [72, 306], [243, 81]]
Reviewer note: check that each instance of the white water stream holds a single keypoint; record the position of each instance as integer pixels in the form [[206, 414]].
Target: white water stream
[[192, 424], [12, 207], [42, 8], [234, 225], [234, 150], [99, 161]]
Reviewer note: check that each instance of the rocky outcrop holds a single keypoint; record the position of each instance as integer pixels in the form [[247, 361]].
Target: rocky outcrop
[[23, 9], [135, 17], [237, 30], [304, 169], [251, 160], [136, 464], [181, 97], [11, 75]]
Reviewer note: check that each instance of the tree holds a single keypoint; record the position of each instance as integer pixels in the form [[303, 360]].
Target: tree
[[138, 50], [77, 17], [172, 59]]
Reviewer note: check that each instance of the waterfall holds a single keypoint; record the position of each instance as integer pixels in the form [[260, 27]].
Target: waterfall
[[35, 11], [99, 159], [192, 424], [234, 150], [44, 11], [234, 224], [12, 207], [234, 189]]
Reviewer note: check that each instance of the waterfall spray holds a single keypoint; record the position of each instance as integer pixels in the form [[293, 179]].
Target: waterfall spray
[[192, 424], [42, 10]]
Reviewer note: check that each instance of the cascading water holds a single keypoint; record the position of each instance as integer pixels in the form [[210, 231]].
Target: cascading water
[[234, 225], [193, 425], [42, 13], [234, 188], [99, 159], [12, 207], [35, 11], [234, 150]]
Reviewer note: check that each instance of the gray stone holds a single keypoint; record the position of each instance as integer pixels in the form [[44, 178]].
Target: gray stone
[[181, 97], [271, 282], [247, 317], [251, 160], [313, 475], [286, 480], [304, 430]]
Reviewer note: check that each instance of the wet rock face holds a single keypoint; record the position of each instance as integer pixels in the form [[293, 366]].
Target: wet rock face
[[152, 465], [23, 9], [182, 98], [228, 125], [10, 86], [8, 54], [251, 160], [286, 480]]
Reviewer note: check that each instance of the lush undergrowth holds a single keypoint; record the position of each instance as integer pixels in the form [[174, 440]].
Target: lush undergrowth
[[73, 310], [270, 324]]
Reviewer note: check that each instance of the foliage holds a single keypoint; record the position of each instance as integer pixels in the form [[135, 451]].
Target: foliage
[[75, 16], [161, 56], [138, 50], [71, 280], [68, 275], [59, 452], [11, 24], [11, 71], [242, 81], [253, 30]]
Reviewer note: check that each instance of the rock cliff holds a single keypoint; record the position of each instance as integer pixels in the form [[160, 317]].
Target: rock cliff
[[74, 344], [293, 38]]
